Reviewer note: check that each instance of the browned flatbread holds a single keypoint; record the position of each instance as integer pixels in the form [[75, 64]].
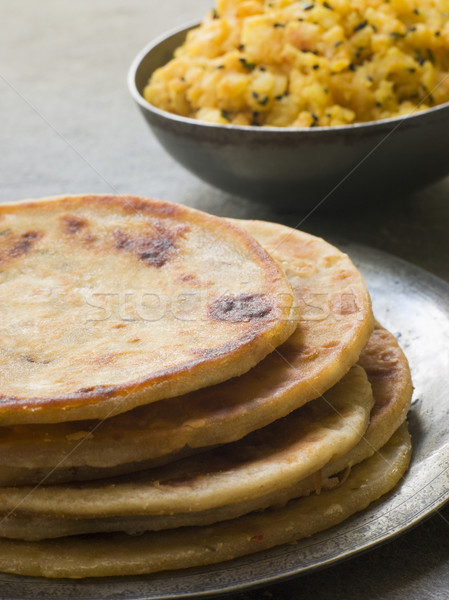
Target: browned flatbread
[[103, 555], [174, 381], [115, 301], [336, 322], [389, 376], [265, 461]]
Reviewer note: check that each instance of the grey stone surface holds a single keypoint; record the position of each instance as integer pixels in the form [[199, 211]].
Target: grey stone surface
[[68, 125]]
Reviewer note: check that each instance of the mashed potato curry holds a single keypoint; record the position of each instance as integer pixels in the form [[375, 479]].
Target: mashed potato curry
[[308, 63]]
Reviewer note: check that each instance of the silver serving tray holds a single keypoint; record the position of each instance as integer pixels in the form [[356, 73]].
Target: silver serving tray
[[414, 305]]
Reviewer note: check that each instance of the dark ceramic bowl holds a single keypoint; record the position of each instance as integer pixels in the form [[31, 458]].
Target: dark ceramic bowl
[[299, 167]]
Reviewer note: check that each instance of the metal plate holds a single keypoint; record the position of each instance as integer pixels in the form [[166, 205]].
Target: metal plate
[[414, 305]]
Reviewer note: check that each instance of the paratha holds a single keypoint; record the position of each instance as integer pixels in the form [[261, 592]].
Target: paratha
[[113, 302], [335, 324], [266, 460], [389, 376], [101, 555]]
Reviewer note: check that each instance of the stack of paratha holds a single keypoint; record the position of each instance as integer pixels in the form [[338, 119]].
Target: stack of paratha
[[216, 387]]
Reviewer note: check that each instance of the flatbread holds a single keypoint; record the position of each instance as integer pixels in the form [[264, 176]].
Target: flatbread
[[116, 301], [104, 555], [336, 321], [389, 376], [263, 462]]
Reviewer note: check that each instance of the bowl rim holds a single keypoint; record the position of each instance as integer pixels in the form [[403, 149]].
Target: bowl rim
[[163, 114]]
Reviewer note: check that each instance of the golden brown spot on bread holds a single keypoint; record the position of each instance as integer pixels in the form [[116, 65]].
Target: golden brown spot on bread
[[31, 359], [24, 245], [342, 274], [155, 247], [72, 224], [380, 372], [308, 353], [343, 304], [382, 364], [243, 307], [152, 251], [331, 344], [330, 260], [105, 359], [96, 391], [21, 246], [190, 278]]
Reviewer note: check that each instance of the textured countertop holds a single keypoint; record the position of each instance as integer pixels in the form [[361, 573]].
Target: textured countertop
[[68, 125]]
